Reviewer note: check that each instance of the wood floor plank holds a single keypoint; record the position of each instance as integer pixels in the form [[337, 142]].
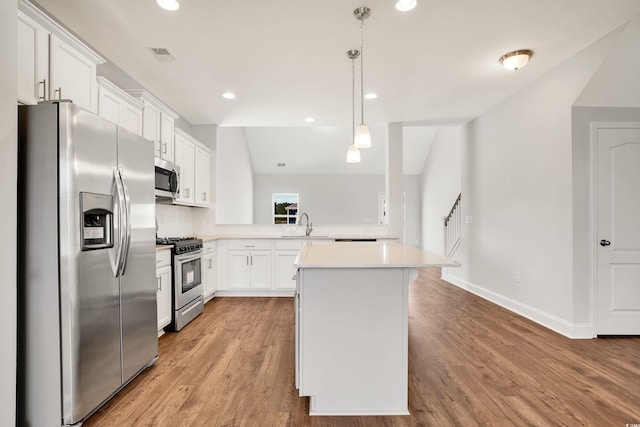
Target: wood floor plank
[[471, 363]]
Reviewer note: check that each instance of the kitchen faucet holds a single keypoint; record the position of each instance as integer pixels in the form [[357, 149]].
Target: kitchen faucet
[[309, 227]]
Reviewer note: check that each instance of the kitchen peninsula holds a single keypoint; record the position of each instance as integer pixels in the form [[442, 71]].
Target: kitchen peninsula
[[352, 316]]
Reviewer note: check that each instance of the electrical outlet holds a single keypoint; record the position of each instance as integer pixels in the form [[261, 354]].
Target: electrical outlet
[[516, 276], [469, 219]]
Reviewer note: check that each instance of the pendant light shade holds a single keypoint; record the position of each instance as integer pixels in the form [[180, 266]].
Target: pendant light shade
[[363, 137], [353, 154]]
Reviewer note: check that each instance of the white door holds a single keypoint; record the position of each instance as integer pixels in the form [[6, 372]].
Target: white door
[[618, 231]]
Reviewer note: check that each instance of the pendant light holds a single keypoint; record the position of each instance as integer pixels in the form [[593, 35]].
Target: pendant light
[[353, 153], [362, 138]]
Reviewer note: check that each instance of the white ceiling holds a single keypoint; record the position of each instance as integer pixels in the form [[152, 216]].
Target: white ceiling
[[286, 59]]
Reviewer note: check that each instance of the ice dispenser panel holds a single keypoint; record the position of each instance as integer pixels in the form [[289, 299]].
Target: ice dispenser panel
[[97, 221]]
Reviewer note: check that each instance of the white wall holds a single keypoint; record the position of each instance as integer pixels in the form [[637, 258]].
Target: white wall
[[440, 184], [517, 186], [412, 190], [613, 86], [234, 193], [8, 220], [322, 196]]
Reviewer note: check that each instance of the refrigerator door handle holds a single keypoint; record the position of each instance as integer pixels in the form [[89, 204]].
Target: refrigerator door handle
[[127, 215], [120, 221]]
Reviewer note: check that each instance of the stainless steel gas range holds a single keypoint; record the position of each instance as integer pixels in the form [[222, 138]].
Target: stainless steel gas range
[[187, 299]]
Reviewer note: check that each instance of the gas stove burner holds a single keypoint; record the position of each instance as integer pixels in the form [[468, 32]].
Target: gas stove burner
[[173, 240], [181, 245]]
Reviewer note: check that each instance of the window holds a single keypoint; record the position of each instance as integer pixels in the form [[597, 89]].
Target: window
[[285, 208]]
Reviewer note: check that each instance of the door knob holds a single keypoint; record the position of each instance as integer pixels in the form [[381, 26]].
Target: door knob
[[604, 242]]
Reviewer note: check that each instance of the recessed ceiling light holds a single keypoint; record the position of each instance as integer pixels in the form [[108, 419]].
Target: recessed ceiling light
[[405, 5], [228, 95], [309, 120], [371, 95], [168, 4]]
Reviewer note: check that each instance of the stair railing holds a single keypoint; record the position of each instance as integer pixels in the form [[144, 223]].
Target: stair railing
[[453, 228]]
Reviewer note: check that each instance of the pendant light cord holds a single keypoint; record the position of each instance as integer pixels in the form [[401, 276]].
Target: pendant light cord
[[353, 98], [362, 71]]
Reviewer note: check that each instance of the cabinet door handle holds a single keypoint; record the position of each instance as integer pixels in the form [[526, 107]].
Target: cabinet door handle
[[247, 259], [204, 197], [251, 259], [59, 91], [187, 191], [164, 148], [159, 281], [44, 90], [210, 263]]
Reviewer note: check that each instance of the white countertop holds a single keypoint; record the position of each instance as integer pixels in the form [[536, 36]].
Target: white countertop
[[330, 237], [367, 255]]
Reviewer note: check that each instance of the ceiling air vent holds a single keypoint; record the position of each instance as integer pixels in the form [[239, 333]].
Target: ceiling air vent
[[162, 54]]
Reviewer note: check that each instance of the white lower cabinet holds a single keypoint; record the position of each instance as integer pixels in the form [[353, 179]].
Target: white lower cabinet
[[286, 252], [163, 286], [250, 269], [257, 267], [209, 270]]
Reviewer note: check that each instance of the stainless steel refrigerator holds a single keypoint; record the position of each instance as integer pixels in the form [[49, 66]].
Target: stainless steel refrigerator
[[86, 274]]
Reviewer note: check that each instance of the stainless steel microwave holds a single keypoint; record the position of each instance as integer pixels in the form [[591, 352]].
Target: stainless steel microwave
[[167, 179]]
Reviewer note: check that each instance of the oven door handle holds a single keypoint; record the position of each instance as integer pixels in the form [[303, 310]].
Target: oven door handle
[[189, 256]]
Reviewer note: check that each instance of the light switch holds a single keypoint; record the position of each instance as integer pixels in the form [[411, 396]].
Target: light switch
[[469, 219]]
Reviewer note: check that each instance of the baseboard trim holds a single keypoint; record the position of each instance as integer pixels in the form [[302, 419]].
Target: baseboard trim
[[254, 293], [561, 326]]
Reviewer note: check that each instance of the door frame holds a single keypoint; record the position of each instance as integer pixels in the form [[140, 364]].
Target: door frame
[[593, 202]]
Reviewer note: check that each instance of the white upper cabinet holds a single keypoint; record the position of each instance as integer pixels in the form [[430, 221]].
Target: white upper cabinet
[[33, 60], [52, 63], [185, 159], [202, 185], [194, 160], [118, 106], [158, 123]]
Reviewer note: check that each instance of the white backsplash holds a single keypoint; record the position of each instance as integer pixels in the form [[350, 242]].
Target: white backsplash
[[174, 221], [179, 221]]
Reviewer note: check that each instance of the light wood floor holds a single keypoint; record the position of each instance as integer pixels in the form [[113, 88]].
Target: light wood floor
[[470, 363]]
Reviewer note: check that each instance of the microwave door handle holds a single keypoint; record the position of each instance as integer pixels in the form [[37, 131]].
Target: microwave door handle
[[177, 175], [127, 233], [119, 220]]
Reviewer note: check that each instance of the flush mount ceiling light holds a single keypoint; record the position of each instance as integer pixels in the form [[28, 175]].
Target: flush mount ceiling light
[[353, 153], [371, 95], [516, 59], [228, 95], [168, 4], [405, 5], [310, 120], [362, 138]]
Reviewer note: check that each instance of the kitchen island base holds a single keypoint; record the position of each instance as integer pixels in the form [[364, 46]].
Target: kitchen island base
[[352, 340]]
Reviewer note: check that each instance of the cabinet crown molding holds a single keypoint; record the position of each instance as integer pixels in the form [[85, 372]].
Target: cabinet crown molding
[[147, 97], [57, 29], [112, 87]]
